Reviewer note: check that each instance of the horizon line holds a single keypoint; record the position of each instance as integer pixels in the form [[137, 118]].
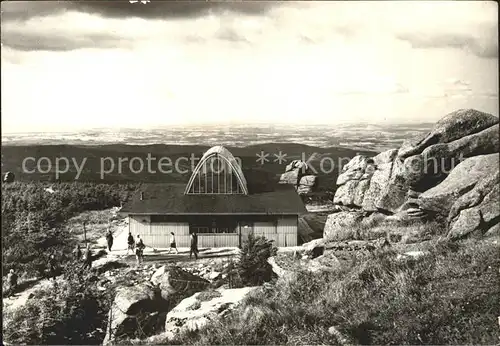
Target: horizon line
[[187, 126]]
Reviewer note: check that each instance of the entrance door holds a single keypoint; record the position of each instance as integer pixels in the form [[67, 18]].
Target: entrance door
[[245, 229]]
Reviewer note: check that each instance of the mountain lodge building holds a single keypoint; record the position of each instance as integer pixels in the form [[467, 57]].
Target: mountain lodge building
[[217, 204]]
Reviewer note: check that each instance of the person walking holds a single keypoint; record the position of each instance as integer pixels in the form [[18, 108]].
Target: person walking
[[109, 239], [12, 280], [130, 243], [194, 246], [173, 243], [139, 249], [77, 252], [52, 267], [87, 258]]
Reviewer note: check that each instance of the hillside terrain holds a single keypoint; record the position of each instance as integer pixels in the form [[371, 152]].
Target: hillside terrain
[[405, 252], [105, 159]]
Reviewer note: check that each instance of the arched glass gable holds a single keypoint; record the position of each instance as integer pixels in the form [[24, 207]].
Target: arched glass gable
[[218, 172]]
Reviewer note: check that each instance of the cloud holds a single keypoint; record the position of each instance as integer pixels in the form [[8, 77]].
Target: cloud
[[485, 46], [300, 62], [470, 26], [452, 87], [61, 41], [24, 10], [374, 88], [432, 25], [457, 85], [21, 10]]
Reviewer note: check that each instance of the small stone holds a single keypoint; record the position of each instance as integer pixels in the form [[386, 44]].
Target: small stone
[[213, 275]]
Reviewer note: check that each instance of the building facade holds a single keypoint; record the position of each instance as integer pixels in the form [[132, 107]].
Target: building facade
[[217, 204]]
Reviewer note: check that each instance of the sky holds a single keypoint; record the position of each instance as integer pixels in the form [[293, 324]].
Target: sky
[[79, 65]]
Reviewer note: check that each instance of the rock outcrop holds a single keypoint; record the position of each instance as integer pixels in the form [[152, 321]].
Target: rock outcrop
[[338, 226], [131, 309], [437, 174], [144, 306], [461, 180], [9, 177], [298, 174], [453, 126], [477, 211], [193, 313]]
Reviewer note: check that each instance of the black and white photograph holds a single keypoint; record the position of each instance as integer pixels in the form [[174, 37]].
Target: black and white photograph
[[250, 172]]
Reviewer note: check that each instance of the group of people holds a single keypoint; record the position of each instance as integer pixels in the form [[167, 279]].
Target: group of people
[[193, 249], [138, 246], [87, 256]]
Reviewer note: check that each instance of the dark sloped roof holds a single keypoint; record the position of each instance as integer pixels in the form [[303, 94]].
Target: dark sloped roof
[[170, 199]]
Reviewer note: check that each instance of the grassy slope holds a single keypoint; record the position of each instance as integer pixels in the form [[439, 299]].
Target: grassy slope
[[449, 297]]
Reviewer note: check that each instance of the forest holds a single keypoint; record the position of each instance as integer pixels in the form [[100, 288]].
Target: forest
[[32, 216]]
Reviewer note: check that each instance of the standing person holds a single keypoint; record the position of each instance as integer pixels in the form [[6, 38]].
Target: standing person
[[109, 239], [173, 244], [139, 248], [194, 245], [87, 258], [12, 280], [77, 252], [130, 243], [52, 267]]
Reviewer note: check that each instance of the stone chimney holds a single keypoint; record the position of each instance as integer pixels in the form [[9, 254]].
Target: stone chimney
[[142, 195]]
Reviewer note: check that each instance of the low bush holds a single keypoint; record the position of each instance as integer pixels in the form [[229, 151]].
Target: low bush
[[72, 311], [253, 268]]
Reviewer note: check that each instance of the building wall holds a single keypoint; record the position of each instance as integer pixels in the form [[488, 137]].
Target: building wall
[[288, 231], [282, 230], [158, 234], [218, 240]]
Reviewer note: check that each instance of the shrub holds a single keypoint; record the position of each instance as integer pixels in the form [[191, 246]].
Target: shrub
[[72, 311], [208, 295], [253, 267]]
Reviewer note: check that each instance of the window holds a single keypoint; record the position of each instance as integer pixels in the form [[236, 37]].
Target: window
[[200, 229], [225, 230], [217, 173], [214, 226], [167, 218]]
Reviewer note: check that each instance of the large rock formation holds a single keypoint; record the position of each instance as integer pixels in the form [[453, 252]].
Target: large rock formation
[[453, 126], [426, 176], [476, 211], [298, 174], [131, 308], [144, 306], [461, 180]]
